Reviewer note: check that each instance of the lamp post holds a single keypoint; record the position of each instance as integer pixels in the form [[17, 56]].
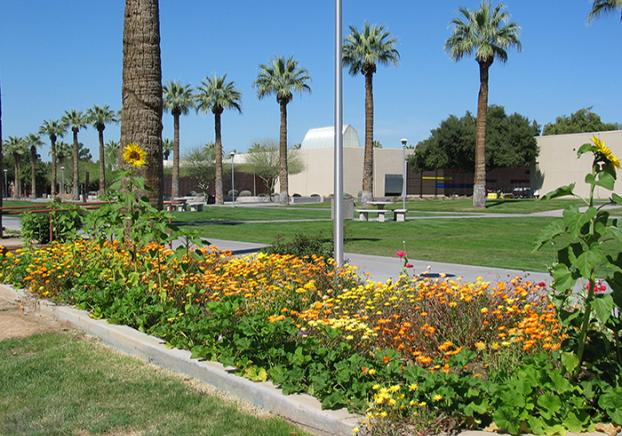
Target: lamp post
[[338, 170], [62, 178], [6, 184], [404, 142], [232, 154]]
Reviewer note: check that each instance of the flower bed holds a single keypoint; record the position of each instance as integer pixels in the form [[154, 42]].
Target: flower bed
[[416, 356]]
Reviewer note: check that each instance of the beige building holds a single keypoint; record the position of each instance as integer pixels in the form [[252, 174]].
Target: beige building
[[317, 154], [557, 162]]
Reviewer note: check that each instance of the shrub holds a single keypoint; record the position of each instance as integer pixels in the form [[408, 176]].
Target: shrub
[[67, 220], [302, 245]]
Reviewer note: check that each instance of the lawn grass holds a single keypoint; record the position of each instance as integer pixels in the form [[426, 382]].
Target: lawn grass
[[466, 205], [496, 242], [228, 213], [54, 383]]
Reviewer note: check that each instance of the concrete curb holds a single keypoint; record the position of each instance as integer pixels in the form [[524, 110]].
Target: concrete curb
[[300, 408]]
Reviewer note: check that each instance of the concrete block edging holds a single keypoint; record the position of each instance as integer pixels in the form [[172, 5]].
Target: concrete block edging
[[298, 408]]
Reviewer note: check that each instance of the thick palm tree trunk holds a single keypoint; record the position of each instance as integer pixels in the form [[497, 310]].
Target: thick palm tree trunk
[[175, 175], [75, 189], [479, 182], [141, 117], [218, 151], [102, 162], [33, 172], [54, 177], [283, 181], [367, 194]]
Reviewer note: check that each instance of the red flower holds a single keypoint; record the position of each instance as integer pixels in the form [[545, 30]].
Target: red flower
[[409, 265], [400, 253], [542, 284]]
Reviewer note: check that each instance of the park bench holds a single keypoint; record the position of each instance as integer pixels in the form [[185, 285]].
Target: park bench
[[175, 205], [364, 214], [196, 206], [399, 215]]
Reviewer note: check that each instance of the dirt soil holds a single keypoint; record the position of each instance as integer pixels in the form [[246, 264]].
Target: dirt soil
[[20, 318]]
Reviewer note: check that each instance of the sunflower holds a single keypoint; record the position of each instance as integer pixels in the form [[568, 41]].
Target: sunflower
[[605, 152], [134, 155]]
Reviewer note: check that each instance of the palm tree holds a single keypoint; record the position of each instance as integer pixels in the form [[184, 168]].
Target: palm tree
[[604, 6], [17, 148], [111, 152], [53, 129], [362, 52], [33, 141], [488, 34], [178, 100], [282, 77], [99, 116], [75, 120], [141, 115], [167, 148], [215, 95]]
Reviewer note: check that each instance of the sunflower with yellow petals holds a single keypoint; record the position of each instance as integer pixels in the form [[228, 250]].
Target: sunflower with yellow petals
[[605, 152], [134, 155]]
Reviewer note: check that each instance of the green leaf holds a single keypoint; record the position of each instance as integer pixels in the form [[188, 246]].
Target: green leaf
[[590, 179], [611, 402], [603, 307], [560, 192], [549, 403], [549, 233], [586, 148], [570, 361], [615, 198], [563, 279], [589, 261], [606, 180]]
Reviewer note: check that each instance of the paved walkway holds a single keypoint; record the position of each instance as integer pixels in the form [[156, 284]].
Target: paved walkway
[[382, 268]]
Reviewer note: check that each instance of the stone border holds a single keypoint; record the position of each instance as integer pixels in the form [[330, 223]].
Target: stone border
[[302, 409]]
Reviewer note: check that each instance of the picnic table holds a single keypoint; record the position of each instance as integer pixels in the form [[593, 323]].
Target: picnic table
[[380, 205]]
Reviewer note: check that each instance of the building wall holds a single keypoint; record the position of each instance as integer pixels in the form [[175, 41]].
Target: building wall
[[317, 176], [557, 162]]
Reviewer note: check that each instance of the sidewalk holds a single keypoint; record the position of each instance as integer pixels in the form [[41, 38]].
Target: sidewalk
[[382, 268]]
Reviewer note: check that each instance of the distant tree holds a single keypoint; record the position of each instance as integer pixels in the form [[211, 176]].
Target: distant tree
[[215, 95], [363, 51], [111, 150], [84, 153], [178, 99], [297, 146], [282, 77], [263, 159], [604, 6], [33, 141], [199, 164], [75, 120], [167, 148], [99, 116], [17, 148], [488, 34], [54, 130], [377, 144], [510, 142], [582, 121]]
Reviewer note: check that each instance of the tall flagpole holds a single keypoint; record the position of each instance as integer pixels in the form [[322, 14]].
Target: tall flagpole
[[338, 171]]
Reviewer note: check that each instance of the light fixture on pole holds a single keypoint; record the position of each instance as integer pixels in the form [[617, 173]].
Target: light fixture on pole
[[232, 154], [404, 142], [338, 170], [6, 184]]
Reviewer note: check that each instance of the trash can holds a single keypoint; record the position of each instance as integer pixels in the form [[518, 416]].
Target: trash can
[[348, 208]]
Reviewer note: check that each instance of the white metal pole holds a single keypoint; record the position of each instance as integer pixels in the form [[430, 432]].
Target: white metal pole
[[232, 178], [338, 171], [404, 142]]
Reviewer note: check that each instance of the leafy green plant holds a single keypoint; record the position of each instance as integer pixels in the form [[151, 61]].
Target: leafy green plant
[[588, 244], [302, 245], [66, 220]]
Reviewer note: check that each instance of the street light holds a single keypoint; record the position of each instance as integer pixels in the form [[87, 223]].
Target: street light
[[6, 184], [338, 170], [404, 142], [62, 178], [232, 154]]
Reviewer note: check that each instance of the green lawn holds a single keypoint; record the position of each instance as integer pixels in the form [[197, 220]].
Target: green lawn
[[499, 242], [54, 383], [465, 205], [228, 213]]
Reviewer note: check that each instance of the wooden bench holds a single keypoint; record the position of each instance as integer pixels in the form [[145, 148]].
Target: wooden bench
[[196, 206], [399, 215], [364, 214]]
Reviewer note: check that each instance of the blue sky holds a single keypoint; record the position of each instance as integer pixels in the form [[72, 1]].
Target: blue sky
[[65, 54]]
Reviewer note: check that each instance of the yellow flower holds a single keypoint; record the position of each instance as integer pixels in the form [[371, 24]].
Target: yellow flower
[[371, 372], [605, 151], [413, 387], [480, 346], [134, 155], [437, 397]]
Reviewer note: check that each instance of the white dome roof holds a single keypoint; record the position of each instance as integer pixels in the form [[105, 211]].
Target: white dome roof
[[324, 137]]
